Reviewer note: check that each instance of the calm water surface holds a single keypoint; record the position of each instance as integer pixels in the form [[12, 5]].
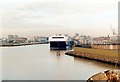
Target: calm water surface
[[37, 62]]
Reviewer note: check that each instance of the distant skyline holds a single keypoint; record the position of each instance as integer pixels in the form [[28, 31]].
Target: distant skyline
[[47, 17]]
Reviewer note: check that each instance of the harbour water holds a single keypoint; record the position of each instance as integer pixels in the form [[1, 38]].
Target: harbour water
[[37, 62]]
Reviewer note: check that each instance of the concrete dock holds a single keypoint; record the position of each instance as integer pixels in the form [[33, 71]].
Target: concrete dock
[[105, 56]]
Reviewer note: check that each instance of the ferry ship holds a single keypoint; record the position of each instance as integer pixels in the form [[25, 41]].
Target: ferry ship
[[60, 42]]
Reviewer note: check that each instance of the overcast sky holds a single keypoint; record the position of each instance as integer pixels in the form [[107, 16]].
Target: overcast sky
[[42, 17]]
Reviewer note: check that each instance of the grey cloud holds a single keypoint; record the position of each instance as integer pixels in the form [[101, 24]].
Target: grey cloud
[[52, 8], [53, 13]]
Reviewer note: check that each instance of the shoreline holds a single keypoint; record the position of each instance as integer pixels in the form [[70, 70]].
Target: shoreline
[[103, 60], [95, 57], [24, 44]]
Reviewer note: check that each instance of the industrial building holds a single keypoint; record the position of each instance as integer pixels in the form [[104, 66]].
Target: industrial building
[[111, 43]]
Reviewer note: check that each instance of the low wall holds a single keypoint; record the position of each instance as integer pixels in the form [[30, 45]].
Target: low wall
[[105, 46], [106, 56]]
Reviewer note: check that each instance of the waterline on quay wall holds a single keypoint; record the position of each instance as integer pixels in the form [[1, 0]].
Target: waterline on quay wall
[[93, 56]]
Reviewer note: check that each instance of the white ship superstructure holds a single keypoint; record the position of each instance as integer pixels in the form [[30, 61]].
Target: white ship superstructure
[[58, 42]]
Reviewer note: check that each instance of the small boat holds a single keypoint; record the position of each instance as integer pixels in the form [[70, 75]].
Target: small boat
[[106, 76]]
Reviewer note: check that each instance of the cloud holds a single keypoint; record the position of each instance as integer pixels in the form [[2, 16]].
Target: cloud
[[58, 13]]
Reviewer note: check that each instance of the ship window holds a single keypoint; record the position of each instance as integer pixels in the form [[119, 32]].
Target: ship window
[[57, 37]]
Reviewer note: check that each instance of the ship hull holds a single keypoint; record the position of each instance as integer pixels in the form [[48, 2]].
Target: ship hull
[[58, 45]]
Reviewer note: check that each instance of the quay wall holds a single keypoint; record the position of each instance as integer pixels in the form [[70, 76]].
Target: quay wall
[[22, 44], [106, 56]]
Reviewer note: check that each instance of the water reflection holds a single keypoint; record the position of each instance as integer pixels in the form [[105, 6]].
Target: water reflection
[[92, 62]]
